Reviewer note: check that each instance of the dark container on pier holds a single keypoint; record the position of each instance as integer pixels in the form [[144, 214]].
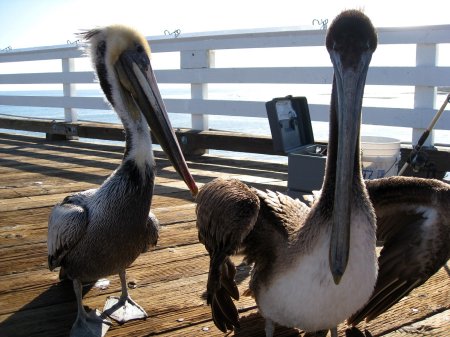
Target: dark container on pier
[[290, 125]]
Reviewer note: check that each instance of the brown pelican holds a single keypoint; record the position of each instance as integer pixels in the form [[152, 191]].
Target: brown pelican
[[294, 247], [291, 245], [100, 232]]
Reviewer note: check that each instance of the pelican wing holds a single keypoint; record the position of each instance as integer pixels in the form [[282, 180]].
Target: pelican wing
[[67, 224], [413, 224], [227, 210], [285, 215], [280, 218], [152, 230]]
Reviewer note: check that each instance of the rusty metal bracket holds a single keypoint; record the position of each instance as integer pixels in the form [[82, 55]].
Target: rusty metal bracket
[[63, 128]]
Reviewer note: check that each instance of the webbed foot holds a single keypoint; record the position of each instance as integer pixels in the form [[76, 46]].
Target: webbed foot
[[123, 309], [92, 324]]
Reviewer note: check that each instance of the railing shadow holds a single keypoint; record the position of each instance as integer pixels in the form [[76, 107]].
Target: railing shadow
[[68, 153], [74, 168], [252, 325]]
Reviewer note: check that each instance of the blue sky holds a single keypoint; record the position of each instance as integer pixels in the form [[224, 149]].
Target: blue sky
[[31, 23]]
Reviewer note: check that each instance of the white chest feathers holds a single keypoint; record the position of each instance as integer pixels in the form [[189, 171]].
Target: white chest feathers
[[141, 151], [305, 296]]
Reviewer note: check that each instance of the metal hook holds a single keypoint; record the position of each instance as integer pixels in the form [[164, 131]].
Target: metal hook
[[175, 33], [322, 22]]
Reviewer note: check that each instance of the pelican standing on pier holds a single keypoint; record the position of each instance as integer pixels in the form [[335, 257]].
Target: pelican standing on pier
[[294, 247], [99, 232]]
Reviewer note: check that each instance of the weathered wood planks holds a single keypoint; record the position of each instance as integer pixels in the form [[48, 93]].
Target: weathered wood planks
[[170, 279]]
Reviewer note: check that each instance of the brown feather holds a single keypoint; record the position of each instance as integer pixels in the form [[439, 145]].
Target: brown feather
[[226, 213], [413, 222], [232, 217]]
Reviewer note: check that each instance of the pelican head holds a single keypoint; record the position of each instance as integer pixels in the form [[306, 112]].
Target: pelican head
[[121, 57], [351, 41]]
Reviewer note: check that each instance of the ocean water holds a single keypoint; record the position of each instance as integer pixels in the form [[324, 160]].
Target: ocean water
[[400, 97]]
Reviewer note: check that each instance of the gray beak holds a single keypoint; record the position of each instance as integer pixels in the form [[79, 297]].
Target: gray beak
[[350, 83], [137, 77]]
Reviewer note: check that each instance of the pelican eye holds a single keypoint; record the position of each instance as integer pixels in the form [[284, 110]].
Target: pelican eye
[[139, 48]]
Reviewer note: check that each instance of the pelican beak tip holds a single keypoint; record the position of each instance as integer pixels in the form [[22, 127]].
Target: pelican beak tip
[[194, 191], [337, 277]]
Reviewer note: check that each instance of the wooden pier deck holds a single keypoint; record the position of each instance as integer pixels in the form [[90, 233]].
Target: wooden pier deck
[[169, 280]]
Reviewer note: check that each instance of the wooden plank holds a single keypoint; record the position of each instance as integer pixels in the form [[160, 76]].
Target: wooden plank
[[56, 102], [47, 78], [290, 37], [221, 140], [41, 53], [389, 35], [171, 278], [420, 75], [436, 325], [268, 75]]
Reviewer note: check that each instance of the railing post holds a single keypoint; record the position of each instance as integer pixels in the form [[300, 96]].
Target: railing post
[[70, 115], [425, 97], [197, 59]]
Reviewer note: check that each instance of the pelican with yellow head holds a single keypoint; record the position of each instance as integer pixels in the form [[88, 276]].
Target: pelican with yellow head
[[100, 232]]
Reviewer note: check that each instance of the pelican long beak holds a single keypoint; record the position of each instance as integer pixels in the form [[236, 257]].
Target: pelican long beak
[[136, 75], [350, 82]]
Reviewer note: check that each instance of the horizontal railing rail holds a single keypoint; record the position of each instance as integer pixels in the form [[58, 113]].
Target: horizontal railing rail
[[420, 75], [197, 69]]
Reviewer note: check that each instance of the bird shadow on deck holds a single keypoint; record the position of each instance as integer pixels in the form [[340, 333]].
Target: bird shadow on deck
[[252, 325], [51, 313]]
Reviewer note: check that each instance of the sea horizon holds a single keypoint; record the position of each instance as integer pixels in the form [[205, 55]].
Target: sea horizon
[[250, 125]]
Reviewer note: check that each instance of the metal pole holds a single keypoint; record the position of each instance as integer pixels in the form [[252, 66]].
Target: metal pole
[[424, 136]]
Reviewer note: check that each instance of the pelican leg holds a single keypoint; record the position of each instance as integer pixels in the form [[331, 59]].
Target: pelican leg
[[123, 309], [269, 328], [334, 332], [90, 324]]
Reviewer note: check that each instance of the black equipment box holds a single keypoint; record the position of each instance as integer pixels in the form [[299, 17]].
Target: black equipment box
[[290, 125]]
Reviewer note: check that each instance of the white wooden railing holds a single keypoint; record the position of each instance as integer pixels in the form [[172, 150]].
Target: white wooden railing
[[197, 68]]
